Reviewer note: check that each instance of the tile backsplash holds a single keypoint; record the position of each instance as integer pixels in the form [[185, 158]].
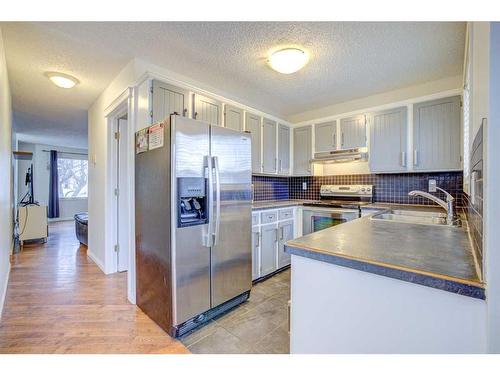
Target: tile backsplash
[[473, 202], [270, 188], [391, 188]]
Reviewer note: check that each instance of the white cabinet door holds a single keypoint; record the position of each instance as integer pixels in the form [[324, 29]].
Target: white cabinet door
[[325, 135], [255, 253], [269, 153], [233, 118], [388, 132], [253, 124], [302, 144], [168, 100], [207, 109], [436, 135], [269, 242], [286, 230], [283, 149], [353, 132]]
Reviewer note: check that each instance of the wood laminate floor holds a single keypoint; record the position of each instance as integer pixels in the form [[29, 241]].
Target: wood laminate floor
[[59, 301]]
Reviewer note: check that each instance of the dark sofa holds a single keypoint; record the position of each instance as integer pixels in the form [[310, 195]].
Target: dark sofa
[[81, 228]]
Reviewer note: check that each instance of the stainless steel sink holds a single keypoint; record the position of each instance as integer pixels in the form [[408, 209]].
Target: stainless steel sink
[[412, 217]]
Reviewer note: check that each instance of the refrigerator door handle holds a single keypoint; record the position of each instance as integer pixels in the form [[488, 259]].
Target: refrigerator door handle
[[217, 200], [209, 237]]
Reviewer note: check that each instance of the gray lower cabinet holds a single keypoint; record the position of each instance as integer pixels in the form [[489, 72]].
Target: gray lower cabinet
[[167, 100], [302, 151], [253, 125], [283, 149], [353, 132], [436, 135], [269, 240], [233, 118], [285, 230], [207, 109], [255, 253], [325, 135], [388, 133], [269, 154]]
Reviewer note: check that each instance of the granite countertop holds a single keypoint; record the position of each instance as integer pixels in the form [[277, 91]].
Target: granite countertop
[[434, 256]]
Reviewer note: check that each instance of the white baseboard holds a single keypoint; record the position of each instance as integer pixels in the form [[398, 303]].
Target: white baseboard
[[55, 219], [96, 260], [4, 291]]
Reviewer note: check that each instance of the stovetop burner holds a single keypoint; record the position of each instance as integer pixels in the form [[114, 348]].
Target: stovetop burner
[[344, 196]]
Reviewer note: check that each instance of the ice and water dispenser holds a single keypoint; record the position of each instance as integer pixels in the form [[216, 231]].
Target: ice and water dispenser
[[192, 201]]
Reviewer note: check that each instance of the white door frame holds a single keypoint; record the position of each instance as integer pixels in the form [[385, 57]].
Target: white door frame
[[123, 104]]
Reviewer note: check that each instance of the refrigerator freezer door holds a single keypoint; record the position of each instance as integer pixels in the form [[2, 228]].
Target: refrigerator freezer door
[[191, 258], [231, 254]]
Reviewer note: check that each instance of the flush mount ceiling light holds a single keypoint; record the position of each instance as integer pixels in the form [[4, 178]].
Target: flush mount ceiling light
[[288, 60], [62, 80]]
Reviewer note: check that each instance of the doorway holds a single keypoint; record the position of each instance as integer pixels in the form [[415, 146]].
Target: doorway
[[121, 249]]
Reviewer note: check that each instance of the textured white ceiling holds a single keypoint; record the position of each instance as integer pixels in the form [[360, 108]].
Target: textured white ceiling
[[348, 60]]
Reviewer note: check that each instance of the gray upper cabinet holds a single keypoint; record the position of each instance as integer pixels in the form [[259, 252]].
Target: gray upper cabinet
[[388, 133], [353, 132], [302, 144], [436, 135], [253, 125], [269, 154], [207, 109], [325, 135], [233, 118], [283, 149], [167, 100]]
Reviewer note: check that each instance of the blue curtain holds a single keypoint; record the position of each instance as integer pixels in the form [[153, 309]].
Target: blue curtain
[[53, 186]]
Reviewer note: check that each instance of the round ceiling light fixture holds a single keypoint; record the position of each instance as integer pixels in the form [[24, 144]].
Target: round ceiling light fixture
[[288, 60], [62, 80]]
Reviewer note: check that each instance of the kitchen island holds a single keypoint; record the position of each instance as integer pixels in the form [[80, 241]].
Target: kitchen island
[[375, 286]]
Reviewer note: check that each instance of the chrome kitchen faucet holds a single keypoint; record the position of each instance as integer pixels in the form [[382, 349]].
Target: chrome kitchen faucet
[[451, 217]]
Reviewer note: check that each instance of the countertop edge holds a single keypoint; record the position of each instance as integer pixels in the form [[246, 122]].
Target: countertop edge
[[449, 284]]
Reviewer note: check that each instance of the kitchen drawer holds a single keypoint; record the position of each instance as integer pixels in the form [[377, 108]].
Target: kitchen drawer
[[255, 219], [286, 214], [268, 217]]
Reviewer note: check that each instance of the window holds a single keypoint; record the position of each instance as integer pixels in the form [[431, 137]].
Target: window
[[73, 177]]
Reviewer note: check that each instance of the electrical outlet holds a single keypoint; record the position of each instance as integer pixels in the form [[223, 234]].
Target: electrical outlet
[[304, 186], [432, 186]]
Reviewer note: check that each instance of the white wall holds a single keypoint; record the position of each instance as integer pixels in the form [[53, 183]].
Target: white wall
[[341, 310], [480, 39], [41, 176], [407, 93], [6, 205], [492, 194]]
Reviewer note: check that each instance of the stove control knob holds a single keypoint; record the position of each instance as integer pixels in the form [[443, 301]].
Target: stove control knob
[[362, 189]]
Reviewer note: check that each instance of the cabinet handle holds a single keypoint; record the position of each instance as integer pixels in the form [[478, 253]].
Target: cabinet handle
[[195, 115], [282, 236], [257, 242], [275, 164], [276, 235], [334, 140], [415, 157], [280, 168], [184, 112], [403, 159]]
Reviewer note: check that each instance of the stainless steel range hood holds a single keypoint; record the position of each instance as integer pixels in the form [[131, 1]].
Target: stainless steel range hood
[[341, 156]]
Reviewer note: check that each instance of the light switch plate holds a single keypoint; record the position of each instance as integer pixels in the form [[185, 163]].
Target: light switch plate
[[304, 186], [432, 186]]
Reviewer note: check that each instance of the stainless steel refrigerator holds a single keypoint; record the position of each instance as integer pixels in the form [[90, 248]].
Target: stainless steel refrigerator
[[193, 222]]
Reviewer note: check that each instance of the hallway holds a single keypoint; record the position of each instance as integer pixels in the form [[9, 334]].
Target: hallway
[[59, 301]]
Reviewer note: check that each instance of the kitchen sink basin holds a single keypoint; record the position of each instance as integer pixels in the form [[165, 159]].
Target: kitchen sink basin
[[412, 217]]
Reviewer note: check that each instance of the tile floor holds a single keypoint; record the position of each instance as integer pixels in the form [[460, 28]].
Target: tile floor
[[259, 325]]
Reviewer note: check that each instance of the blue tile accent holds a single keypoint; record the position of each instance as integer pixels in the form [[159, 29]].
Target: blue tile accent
[[270, 188]]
